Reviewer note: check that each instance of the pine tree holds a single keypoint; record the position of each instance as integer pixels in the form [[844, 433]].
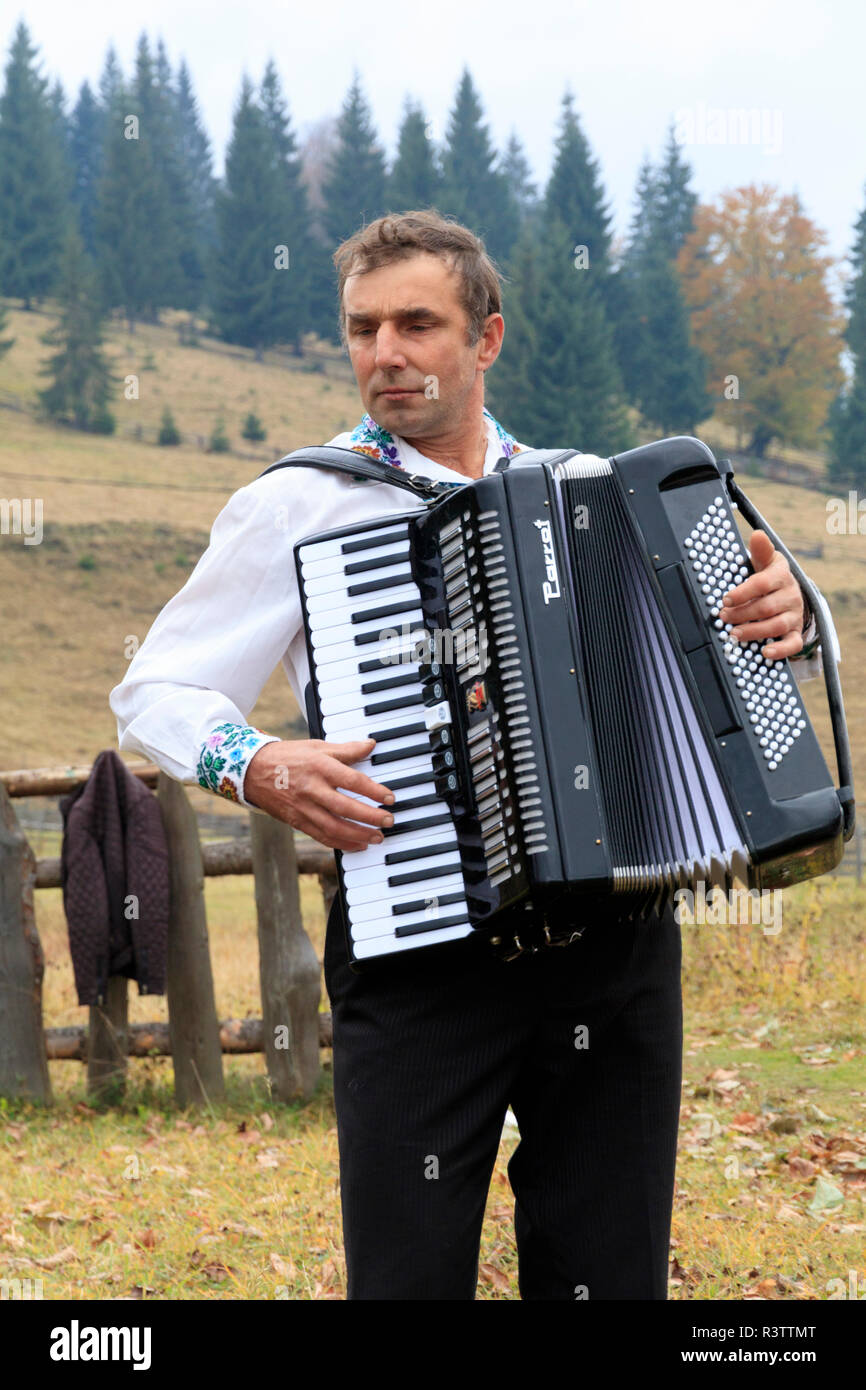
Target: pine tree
[[81, 379], [139, 203], [676, 201], [33, 210], [671, 388], [354, 186], [518, 177], [847, 419], [87, 131], [197, 161], [556, 381], [290, 217], [664, 373], [474, 189], [575, 194], [242, 290], [414, 180], [5, 343]]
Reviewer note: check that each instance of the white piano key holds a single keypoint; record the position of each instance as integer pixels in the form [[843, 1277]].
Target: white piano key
[[357, 861], [345, 697], [327, 610], [412, 892], [373, 888], [344, 634], [385, 945], [346, 668], [338, 564], [386, 922], [401, 767], [340, 582], [319, 549], [334, 724]]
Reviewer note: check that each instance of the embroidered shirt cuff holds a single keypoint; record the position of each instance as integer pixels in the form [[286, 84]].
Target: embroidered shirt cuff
[[225, 755]]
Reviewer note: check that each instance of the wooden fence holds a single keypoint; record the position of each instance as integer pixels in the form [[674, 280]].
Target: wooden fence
[[291, 1029]]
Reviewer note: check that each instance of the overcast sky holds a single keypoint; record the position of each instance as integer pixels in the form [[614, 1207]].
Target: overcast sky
[[633, 66]]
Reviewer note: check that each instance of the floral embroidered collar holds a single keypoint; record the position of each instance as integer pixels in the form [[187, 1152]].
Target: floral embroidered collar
[[370, 438]]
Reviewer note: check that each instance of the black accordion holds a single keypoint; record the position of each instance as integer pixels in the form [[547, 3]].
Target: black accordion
[[557, 707]]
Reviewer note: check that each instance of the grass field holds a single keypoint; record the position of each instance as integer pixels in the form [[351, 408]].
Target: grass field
[[242, 1200]]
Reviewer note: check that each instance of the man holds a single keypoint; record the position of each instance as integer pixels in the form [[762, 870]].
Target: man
[[430, 1048]]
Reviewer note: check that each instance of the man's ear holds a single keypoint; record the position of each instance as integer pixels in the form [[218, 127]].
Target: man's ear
[[491, 341]]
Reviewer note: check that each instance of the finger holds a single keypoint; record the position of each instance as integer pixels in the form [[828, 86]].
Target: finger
[[772, 588], [349, 779], [353, 752], [337, 833], [349, 807], [777, 626], [785, 646], [761, 550]]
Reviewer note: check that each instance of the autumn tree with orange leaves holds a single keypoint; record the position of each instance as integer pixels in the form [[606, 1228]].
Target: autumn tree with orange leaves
[[756, 283]]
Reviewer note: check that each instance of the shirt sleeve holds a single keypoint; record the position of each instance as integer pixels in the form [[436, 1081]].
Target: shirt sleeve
[[805, 668], [186, 698]]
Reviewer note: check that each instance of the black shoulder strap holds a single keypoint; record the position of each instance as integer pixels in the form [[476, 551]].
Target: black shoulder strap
[[334, 459]]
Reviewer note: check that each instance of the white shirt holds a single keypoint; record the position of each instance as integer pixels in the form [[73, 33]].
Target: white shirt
[[213, 646]]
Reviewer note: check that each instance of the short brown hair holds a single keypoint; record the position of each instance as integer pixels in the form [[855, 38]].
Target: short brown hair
[[398, 236]]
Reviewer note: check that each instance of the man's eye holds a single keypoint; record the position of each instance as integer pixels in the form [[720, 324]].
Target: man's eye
[[422, 326]]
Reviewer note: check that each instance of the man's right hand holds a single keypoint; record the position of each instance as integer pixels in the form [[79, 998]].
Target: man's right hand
[[296, 780]]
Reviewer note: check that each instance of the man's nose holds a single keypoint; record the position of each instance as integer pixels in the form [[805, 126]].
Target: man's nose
[[389, 350]]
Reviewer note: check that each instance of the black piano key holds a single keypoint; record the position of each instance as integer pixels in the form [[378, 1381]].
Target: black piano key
[[399, 702], [377, 663], [378, 562], [372, 585], [374, 542], [421, 875], [399, 731], [419, 904], [388, 611], [407, 826], [414, 779], [371, 687], [411, 803], [405, 856], [415, 928], [399, 754], [395, 651]]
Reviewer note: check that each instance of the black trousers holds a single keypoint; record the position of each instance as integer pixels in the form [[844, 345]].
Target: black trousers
[[583, 1041]]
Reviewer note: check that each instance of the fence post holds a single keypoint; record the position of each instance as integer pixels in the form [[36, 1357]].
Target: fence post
[[288, 965], [108, 1042], [195, 1038], [23, 1063]]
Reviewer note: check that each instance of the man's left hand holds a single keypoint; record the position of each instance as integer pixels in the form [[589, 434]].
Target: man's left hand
[[767, 604]]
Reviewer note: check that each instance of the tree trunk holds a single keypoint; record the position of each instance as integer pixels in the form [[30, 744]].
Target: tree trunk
[[23, 1064]]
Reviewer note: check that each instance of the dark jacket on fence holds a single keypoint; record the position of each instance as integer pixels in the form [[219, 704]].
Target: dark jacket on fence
[[114, 873]]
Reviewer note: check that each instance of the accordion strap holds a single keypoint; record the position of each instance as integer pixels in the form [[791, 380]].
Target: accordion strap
[[333, 459]]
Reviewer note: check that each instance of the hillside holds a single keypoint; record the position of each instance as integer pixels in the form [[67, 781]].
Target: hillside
[[125, 521]]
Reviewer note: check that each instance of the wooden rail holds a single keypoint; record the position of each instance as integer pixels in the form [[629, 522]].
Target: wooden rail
[[291, 1030]]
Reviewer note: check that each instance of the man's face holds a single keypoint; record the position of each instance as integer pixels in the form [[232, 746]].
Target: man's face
[[406, 333]]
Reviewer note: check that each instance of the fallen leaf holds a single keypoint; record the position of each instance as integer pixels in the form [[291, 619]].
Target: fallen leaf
[[495, 1277], [747, 1123], [827, 1197], [62, 1257], [285, 1268], [146, 1240], [802, 1167]]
